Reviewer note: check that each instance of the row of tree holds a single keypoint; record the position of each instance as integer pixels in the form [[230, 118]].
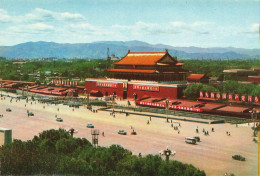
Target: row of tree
[[215, 67], [193, 90], [27, 71], [56, 152], [97, 68]]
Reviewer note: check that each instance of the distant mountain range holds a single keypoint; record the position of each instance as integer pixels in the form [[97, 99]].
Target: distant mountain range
[[98, 50]]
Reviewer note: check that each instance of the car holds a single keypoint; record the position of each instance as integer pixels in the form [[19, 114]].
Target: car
[[59, 119], [133, 133], [90, 125], [238, 157], [122, 132], [190, 140], [8, 109], [30, 114], [197, 138]]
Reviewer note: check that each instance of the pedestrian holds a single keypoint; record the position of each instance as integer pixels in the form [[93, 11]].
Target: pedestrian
[[172, 125], [171, 121], [103, 133], [150, 118], [178, 131]]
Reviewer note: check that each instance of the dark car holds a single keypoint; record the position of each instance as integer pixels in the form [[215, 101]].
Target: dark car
[[90, 125], [197, 138], [122, 132], [238, 157], [30, 114], [8, 109], [59, 119], [133, 133]]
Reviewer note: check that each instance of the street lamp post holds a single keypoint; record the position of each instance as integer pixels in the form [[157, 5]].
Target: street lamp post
[[254, 113], [113, 101], [134, 100], [166, 108], [167, 153], [1, 88]]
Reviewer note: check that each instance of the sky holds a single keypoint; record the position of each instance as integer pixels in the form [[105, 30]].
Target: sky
[[200, 23]]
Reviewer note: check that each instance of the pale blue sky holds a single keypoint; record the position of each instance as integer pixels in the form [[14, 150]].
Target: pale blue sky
[[201, 23]]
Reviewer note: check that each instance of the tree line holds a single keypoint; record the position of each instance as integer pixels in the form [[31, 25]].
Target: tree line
[[214, 68], [27, 71], [56, 152], [96, 68], [193, 90]]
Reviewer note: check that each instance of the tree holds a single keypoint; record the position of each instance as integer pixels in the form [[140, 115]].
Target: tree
[[192, 91], [56, 152]]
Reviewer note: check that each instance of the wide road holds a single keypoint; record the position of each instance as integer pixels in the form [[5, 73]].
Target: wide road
[[213, 154]]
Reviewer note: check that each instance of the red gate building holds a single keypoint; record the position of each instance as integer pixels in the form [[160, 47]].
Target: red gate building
[[139, 74]]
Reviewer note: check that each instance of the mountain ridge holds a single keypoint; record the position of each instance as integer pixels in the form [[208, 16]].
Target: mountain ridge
[[98, 50]]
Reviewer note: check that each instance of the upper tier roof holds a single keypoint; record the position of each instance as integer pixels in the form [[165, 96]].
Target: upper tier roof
[[195, 76], [145, 58]]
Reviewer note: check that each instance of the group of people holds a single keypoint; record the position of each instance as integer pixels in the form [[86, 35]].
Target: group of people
[[206, 133], [228, 133], [113, 114]]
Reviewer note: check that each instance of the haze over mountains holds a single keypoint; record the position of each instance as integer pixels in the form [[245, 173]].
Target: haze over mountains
[[98, 50]]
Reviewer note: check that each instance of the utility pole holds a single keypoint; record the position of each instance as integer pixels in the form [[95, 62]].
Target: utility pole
[[108, 58], [1, 88], [167, 108], [113, 101], [95, 134], [254, 113]]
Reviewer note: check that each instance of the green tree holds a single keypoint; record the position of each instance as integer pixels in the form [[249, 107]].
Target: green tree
[[192, 91]]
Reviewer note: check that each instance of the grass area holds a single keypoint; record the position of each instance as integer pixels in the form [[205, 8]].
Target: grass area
[[96, 102]]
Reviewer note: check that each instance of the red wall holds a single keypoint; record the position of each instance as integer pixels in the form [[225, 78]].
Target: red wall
[[254, 79], [164, 91], [91, 85]]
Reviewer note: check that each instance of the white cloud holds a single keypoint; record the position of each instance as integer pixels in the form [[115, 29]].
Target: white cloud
[[174, 27], [4, 17], [71, 16], [254, 28], [83, 26], [36, 28], [47, 16], [41, 27], [178, 23]]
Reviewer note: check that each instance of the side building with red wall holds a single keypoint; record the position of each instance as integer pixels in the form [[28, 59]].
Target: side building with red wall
[[130, 89]]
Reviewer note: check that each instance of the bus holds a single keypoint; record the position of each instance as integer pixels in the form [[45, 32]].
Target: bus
[[190, 140]]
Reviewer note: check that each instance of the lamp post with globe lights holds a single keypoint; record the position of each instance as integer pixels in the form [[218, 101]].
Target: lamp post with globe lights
[[167, 153]]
